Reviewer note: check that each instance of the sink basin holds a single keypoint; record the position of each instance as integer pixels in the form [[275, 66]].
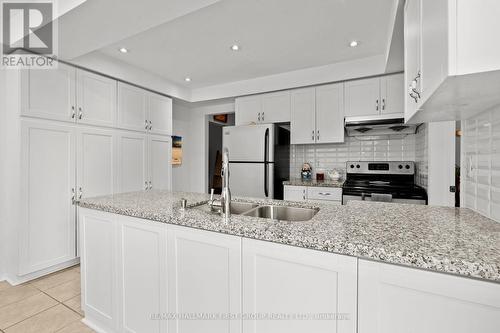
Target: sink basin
[[237, 207], [283, 213]]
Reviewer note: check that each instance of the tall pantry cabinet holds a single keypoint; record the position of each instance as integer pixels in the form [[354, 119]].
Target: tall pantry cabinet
[[81, 135]]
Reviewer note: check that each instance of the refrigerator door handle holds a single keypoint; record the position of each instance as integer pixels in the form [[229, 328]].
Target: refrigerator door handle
[[266, 169]]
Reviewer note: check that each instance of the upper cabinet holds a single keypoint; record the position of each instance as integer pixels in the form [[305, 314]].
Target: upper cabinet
[[263, 109], [317, 114], [452, 67], [49, 94], [379, 96], [96, 99], [140, 110]]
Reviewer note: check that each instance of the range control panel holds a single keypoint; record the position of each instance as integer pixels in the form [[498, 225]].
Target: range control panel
[[392, 168]]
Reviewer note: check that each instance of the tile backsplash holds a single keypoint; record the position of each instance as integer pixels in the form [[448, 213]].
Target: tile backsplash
[[480, 167], [369, 148], [422, 156]]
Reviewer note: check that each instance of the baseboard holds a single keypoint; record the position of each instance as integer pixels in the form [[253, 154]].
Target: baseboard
[[96, 327], [15, 279]]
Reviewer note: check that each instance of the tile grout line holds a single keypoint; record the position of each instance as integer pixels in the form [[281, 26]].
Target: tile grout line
[[50, 307]]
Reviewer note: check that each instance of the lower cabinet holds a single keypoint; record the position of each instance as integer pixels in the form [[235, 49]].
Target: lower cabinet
[[332, 195], [204, 277], [288, 281], [394, 299]]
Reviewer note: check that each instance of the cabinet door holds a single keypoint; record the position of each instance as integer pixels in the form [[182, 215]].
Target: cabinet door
[[412, 33], [330, 113], [389, 297], [302, 122], [49, 94], [99, 268], [248, 109], [276, 107], [392, 92], [96, 99], [96, 162], [160, 162], [362, 97], [47, 233], [295, 193], [204, 276], [160, 114], [132, 109], [275, 282], [132, 160], [143, 268]]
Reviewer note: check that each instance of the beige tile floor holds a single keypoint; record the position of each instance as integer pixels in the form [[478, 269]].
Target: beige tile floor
[[46, 305]]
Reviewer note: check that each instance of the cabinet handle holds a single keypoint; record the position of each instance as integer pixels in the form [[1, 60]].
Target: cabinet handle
[[80, 113], [262, 116], [73, 113], [326, 193], [80, 193], [383, 104], [312, 137], [150, 185], [146, 122], [73, 196], [258, 117], [317, 135], [376, 105], [147, 186], [150, 125], [415, 98], [303, 194]]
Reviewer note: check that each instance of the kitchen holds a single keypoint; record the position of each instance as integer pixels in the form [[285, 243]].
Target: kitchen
[[347, 204]]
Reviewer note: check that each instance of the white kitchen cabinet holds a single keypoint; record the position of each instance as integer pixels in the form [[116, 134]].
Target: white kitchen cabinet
[[263, 109], [330, 113], [295, 193], [392, 95], [204, 276], [303, 116], [276, 279], [132, 108], [332, 195], [133, 162], [375, 97], [317, 115], [99, 269], [96, 162], [160, 114], [362, 97], [96, 99], [142, 283], [248, 109], [451, 63], [394, 299], [49, 94], [160, 162], [48, 224], [275, 107]]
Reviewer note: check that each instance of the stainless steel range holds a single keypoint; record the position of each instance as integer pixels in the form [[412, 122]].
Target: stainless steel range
[[382, 181]]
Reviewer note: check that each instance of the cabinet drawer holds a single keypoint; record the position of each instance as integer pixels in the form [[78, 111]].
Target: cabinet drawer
[[324, 193]]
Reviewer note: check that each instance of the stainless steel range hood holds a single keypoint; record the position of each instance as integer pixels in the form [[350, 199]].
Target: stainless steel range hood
[[372, 126]]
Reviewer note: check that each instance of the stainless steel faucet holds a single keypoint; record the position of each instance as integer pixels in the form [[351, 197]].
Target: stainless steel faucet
[[224, 204], [226, 193]]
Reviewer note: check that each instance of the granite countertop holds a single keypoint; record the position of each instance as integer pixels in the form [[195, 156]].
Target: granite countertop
[[450, 240], [314, 182]]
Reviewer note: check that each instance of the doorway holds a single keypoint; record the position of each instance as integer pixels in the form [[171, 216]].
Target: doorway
[[216, 123]]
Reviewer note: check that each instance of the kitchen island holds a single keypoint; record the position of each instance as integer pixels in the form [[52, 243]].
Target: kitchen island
[[147, 264]]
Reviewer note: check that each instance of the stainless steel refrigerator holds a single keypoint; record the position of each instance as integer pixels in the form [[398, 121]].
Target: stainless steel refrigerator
[[259, 159]]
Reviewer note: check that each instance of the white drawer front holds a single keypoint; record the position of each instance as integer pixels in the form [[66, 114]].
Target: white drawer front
[[324, 193]]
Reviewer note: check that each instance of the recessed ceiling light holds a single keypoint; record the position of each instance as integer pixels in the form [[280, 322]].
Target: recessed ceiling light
[[123, 50], [354, 43], [187, 79], [235, 47]]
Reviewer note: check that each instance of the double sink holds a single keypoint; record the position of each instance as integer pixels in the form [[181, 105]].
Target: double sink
[[273, 212]]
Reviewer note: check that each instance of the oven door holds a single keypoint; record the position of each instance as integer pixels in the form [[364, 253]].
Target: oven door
[[368, 197]]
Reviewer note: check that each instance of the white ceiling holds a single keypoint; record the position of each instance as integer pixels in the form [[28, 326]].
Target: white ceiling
[[276, 36]]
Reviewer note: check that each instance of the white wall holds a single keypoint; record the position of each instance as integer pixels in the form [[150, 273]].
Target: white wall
[[3, 189], [190, 120]]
